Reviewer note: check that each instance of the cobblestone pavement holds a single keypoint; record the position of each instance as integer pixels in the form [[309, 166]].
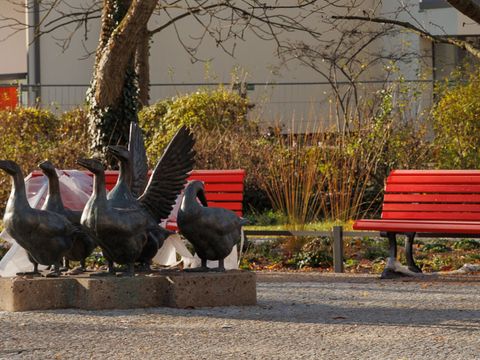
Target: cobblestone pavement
[[298, 316]]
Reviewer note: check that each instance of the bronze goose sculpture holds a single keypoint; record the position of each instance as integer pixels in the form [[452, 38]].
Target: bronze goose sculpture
[[84, 242], [45, 235], [119, 232], [122, 197], [166, 182], [213, 232], [130, 183]]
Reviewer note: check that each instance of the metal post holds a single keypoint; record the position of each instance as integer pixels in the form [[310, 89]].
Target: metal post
[[338, 249], [19, 95]]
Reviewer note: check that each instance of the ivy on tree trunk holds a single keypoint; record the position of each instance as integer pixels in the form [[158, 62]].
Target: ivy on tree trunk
[[113, 97]]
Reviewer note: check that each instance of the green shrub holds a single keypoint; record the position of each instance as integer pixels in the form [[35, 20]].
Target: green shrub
[[315, 253], [31, 135], [456, 119], [466, 244], [225, 139], [437, 247], [204, 109]]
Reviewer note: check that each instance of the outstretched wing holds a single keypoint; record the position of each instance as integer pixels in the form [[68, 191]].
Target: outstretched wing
[[169, 176], [138, 156]]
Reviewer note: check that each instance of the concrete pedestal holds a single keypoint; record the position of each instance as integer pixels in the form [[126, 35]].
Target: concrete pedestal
[[172, 289]]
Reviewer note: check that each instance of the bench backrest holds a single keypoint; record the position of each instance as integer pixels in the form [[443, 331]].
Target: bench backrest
[[224, 188], [432, 195]]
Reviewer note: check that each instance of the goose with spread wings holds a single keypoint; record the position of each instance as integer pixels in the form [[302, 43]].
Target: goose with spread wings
[[131, 183], [123, 223]]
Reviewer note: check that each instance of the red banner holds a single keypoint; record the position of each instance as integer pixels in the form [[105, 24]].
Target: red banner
[[8, 97]]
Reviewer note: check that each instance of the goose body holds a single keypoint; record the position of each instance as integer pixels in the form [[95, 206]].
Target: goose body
[[84, 242], [121, 197], [126, 226], [121, 233], [45, 235], [159, 195], [213, 232]]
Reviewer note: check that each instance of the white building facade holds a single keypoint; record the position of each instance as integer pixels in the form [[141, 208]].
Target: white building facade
[[58, 77]]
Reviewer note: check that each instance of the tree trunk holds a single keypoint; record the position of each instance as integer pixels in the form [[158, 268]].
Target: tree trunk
[[113, 96], [468, 8], [142, 67]]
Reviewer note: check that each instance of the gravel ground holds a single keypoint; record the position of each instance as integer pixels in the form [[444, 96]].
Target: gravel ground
[[298, 316]]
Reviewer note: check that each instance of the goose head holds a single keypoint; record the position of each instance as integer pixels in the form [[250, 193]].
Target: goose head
[[94, 165], [48, 168], [199, 189], [10, 167], [121, 153]]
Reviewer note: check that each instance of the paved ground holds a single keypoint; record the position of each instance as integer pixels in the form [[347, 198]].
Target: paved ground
[[304, 316]]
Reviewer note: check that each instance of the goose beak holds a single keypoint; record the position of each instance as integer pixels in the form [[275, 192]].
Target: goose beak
[[6, 166], [86, 163], [113, 149], [45, 165]]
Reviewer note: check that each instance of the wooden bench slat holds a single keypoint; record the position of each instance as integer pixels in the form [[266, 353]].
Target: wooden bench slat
[[435, 179], [236, 178], [237, 196], [439, 207], [223, 188], [419, 226], [432, 198], [417, 215], [433, 172], [226, 205], [426, 188]]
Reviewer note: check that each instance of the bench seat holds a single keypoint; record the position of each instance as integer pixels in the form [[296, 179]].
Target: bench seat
[[419, 226]]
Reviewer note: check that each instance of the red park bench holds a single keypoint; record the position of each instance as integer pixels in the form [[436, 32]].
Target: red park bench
[[427, 203], [224, 188]]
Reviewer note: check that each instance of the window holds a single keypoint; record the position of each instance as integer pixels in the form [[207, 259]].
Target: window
[[433, 4], [437, 4]]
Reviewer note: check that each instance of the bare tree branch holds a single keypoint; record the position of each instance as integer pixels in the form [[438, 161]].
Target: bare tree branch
[[465, 45]]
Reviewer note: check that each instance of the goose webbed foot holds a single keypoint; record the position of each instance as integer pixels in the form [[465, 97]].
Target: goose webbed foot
[[55, 272], [76, 271]]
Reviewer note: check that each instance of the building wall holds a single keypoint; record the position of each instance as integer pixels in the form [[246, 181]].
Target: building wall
[[13, 52], [255, 61]]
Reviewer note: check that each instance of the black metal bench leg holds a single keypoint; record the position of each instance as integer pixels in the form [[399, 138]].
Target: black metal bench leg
[[390, 269], [412, 266]]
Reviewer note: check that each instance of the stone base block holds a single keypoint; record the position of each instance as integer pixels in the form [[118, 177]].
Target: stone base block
[[172, 289]]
